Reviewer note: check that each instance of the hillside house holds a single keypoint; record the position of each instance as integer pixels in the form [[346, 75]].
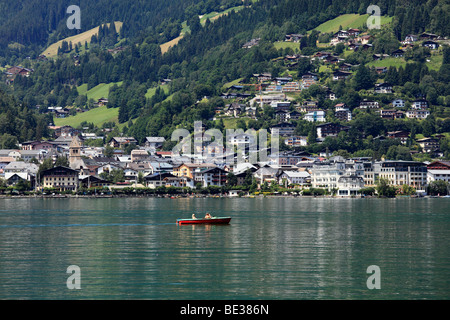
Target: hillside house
[[330, 129], [399, 53], [432, 45], [315, 116], [383, 88], [369, 104], [419, 104], [120, 142], [398, 103]]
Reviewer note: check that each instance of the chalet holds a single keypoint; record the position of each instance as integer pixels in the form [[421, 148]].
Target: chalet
[[37, 145], [399, 53], [263, 77], [340, 75], [283, 80], [439, 165], [338, 39], [383, 88], [410, 38], [93, 182], [381, 70], [342, 112], [364, 39], [282, 115], [392, 114], [294, 177], [379, 56], [401, 135], [294, 115], [330, 95], [369, 104], [213, 177], [353, 32], [345, 67], [102, 102], [419, 104], [154, 142], [281, 105], [398, 103], [284, 129], [296, 141], [234, 109], [428, 144], [354, 46], [18, 71], [294, 37], [251, 43], [120, 142], [188, 169], [417, 114], [341, 33], [61, 178], [330, 129], [428, 36], [430, 44]]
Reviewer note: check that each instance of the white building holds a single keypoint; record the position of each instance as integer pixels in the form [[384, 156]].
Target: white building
[[315, 116], [328, 175], [294, 177]]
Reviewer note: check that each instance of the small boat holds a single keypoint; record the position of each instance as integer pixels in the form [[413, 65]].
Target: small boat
[[213, 220]]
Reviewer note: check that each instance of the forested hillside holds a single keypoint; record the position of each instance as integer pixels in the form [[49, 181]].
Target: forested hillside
[[210, 56]]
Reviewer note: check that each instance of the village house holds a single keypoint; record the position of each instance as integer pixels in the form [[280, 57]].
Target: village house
[[438, 170], [330, 129], [341, 75], [392, 114], [399, 53], [315, 116], [294, 37], [369, 104], [428, 144], [419, 104], [284, 129], [398, 103], [154, 142], [120, 142], [60, 178], [342, 112], [296, 141], [417, 114], [294, 178], [383, 88], [403, 136]]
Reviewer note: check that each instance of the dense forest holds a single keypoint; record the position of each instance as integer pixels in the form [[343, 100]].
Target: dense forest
[[207, 57]]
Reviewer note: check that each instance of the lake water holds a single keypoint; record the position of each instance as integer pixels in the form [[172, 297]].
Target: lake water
[[274, 248]]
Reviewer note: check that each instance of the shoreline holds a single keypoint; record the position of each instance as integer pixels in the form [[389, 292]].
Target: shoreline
[[65, 196]]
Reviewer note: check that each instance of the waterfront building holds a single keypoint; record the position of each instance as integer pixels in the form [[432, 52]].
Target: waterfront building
[[400, 172], [60, 178], [328, 175]]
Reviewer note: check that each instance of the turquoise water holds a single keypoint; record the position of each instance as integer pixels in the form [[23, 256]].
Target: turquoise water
[[274, 248]]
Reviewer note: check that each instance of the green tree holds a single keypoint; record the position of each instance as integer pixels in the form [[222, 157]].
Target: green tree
[[384, 189]]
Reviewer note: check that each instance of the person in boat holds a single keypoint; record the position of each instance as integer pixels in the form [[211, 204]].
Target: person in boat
[[193, 216], [208, 216]]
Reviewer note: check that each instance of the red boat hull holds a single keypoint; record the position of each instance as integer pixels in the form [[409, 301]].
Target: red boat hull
[[218, 220]]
